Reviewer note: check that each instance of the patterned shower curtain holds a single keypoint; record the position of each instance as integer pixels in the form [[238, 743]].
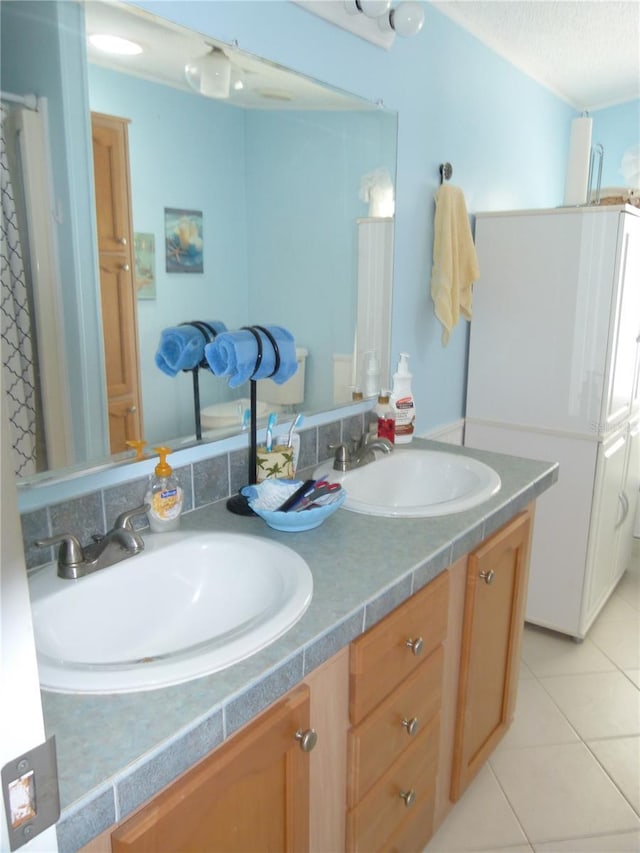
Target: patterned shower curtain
[[15, 327]]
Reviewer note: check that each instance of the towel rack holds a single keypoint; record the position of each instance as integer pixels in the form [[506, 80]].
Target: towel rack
[[238, 504], [208, 333], [446, 170]]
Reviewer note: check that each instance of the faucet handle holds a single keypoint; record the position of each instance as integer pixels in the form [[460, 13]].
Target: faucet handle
[[70, 553], [124, 519], [342, 457]]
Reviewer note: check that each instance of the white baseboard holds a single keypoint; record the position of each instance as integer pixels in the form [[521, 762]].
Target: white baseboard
[[450, 433]]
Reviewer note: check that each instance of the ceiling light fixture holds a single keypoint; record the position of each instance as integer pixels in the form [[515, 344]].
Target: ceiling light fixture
[[115, 44], [210, 75], [405, 19], [374, 20]]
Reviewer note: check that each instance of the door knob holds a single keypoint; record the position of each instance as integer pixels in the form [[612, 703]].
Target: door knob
[[416, 645], [488, 577], [307, 739]]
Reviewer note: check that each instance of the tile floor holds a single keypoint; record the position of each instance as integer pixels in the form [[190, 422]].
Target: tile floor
[[566, 777]]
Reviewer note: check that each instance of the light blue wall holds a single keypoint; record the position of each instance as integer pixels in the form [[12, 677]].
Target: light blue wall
[[276, 189], [505, 135], [617, 129], [304, 173], [182, 156]]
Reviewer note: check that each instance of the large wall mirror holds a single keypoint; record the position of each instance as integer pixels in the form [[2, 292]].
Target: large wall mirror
[[274, 180]]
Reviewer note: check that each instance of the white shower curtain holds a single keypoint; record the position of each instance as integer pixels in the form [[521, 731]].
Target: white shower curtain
[[15, 328]]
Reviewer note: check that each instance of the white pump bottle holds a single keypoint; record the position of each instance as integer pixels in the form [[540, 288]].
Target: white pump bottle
[[402, 401]]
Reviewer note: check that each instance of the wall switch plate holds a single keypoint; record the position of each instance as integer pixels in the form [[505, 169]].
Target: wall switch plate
[[30, 793]]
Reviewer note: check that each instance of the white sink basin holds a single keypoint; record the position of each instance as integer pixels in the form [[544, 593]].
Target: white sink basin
[[417, 484], [187, 606]]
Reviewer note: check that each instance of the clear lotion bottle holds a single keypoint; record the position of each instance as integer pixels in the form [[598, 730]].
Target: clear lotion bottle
[[164, 496], [402, 401]]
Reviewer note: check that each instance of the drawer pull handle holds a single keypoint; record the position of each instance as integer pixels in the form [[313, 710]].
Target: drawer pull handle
[[308, 739], [409, 797], [122, 241], [488, 577], [411, 725], [125, 267], [416, 646]]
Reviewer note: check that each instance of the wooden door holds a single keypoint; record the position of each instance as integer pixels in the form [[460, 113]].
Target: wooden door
[[116, 262], [497, 575], [251, 794]]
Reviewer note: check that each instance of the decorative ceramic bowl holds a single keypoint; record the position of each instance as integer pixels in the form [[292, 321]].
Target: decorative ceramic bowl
[[292, 521]]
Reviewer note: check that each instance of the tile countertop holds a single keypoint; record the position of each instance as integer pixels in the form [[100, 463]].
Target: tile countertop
[[117, 750]]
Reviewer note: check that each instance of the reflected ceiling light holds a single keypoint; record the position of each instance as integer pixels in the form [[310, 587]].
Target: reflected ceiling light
[[115, 44], [210, 75]]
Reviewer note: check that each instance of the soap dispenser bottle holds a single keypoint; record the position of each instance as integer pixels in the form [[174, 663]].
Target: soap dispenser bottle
[[164, 496], [402, 401]]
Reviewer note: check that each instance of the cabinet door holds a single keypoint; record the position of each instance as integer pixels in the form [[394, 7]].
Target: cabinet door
[[251, 794], [608, 515], [623, 355], [630, 491], [490, 657]]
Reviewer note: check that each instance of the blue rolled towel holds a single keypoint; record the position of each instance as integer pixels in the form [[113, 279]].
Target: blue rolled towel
[[234, 354], [182, 347]]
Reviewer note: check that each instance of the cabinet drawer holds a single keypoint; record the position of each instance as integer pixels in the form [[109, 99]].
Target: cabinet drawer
[[394, 726], [384, 656], [416, 831], [383, 811]]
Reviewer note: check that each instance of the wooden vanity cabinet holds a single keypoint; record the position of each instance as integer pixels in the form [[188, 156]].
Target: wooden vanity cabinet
[[496, 585], [394, 706], [250, 794], [406, 716]]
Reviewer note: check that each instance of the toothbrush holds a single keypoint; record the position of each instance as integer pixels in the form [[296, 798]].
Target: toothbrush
[[245, 419], [294, 425], [270, 425]]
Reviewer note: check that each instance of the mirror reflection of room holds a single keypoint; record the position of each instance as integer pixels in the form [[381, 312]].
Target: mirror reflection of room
[[280, 182]]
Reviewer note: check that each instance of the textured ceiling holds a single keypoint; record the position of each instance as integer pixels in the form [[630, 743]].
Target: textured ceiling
[[585, 51]]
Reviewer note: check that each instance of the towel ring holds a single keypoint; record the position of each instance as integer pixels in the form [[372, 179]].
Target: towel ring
[[259, 343], [207, 332], [276, 349], [446, 170]]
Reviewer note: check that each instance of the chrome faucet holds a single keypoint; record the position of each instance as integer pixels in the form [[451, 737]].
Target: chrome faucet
[[360, 452], [120, 542]]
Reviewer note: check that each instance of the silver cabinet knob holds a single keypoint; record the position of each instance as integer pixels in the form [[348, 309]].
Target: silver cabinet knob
[[488, 577], [416, 645], [125, 267], [132, 409], [411, 725], [307, 739], [409, 797], [122, 241]]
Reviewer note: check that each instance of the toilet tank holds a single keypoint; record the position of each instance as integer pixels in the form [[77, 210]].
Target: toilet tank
[[289, 393]]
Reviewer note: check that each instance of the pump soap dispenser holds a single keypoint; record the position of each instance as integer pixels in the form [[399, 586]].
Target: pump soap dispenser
[[164, 496]]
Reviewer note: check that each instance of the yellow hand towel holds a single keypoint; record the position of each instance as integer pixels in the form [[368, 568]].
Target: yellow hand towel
[[455, 264]]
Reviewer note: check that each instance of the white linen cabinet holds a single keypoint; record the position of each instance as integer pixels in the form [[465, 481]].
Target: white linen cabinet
[[553, 375]]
